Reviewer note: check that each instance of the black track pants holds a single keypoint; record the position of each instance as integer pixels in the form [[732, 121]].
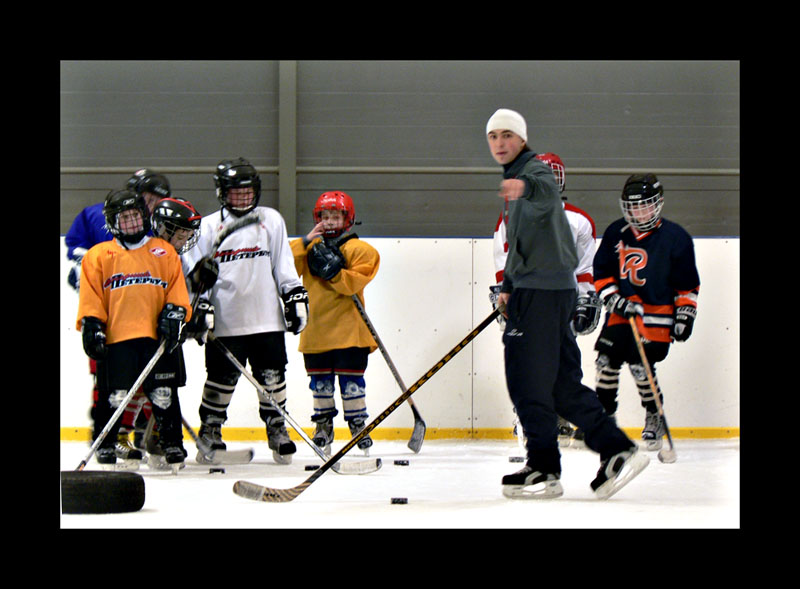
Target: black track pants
[[543, 375]]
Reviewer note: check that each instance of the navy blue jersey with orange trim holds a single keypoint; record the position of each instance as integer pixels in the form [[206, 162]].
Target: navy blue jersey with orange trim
[[656, 268]]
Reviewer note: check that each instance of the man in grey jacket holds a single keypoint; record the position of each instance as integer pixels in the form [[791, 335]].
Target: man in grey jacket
[[542, 358]]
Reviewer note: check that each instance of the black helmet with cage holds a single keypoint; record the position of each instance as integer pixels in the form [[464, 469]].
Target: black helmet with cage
[[126, 228], [642, 200], [178, 222], [237, 174]]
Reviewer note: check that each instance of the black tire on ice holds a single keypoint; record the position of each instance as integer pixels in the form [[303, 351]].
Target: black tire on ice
[[93, 491]]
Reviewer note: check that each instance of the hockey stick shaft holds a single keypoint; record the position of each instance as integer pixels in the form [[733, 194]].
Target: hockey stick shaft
[[419, 424], [124, 404], [260, 493], [266, 395], [651, 379], [249, 219]]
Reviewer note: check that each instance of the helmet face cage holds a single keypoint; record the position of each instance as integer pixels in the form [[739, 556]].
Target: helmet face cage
[[335, 201], [176, 214], [641, 202], [116, 203], [559, 170], [237, 173]]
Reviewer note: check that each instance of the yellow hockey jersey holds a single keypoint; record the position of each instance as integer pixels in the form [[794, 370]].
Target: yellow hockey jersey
[[127, 288], [334, 322]]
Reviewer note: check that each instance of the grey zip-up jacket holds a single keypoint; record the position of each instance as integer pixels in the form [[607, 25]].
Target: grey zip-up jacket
[[541, 248]]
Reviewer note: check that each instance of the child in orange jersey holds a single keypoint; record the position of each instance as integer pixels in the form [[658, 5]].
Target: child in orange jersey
[[133, 293]]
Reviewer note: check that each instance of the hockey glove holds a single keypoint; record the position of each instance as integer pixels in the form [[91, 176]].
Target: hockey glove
[[201, 322], [586, 315], [494, 292], [683, 323], [170, 322], [74, 278], [295, 309], [204, 274], [621, 306], [324, 260], [94, 338]]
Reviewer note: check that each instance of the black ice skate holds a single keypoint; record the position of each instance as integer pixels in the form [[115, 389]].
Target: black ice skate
[[618, 471], [365, 443], [653, 431], [106, 457], [532, 484], [278, 441], [323, 434], [130, 458]]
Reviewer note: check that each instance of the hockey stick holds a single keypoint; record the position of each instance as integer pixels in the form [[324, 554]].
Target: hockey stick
[[260, 493], [249, 219], [362, 467], [664, 455], [211, 456], [124, 404], [418, 435]]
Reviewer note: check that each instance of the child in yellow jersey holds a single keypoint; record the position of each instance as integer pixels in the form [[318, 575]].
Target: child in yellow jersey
[[133, 293], [334, 266]]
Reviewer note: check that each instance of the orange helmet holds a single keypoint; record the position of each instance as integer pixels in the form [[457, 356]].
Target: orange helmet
[[557, 166], [336, 200]]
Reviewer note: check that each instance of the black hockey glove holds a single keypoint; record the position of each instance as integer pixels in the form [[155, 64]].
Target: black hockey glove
[[325, 260], [204, 274], [170, 322], [683, 323], [74, 278], [295, 309], [621, 306], [94, 338], [586, 315], [201, 322]]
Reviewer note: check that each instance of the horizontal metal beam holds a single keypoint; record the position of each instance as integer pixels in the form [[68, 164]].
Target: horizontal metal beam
[[417, 170]]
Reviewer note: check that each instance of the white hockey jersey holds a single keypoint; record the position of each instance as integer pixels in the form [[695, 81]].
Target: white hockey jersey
[[584, 232], [256, 267]]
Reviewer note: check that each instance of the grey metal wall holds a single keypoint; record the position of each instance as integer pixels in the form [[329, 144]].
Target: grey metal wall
[[405, 138]]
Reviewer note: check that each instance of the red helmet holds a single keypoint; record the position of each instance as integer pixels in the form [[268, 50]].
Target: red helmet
[[557, 166], [336, 200]]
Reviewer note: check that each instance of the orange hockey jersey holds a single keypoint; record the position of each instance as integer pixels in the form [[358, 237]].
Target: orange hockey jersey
[[127, 289]]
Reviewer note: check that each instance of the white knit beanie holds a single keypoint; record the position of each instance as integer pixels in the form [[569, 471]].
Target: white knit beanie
[[509, 120]]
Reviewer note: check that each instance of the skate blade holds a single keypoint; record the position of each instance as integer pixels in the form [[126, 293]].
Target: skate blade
[[632, 468], [217, 457], [653, 445], [282, 458], [543, 490], [127, 465]]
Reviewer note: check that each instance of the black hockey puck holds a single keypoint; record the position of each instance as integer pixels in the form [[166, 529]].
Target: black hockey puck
[[399, 500], [401, 462], [216, 470], [312, 466], [516, 459]]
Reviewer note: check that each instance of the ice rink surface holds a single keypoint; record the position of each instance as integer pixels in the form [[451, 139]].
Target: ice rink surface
[[448, 485]]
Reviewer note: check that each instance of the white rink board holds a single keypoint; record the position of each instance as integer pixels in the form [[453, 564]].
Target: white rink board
[[427, 296]]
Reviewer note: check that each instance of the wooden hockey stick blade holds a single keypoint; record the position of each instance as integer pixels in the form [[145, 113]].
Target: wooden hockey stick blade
[[257, 492], [361, 467], [418, 434]]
